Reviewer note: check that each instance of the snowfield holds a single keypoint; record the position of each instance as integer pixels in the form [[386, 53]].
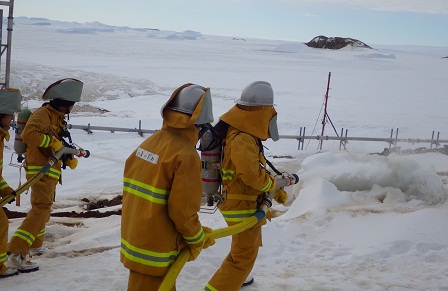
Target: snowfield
[[357, 220]]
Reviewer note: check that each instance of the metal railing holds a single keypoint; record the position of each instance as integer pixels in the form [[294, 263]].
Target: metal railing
[[343, 139], [88, 128]]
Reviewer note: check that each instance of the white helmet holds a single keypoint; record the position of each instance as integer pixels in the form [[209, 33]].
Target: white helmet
[[66, 89], [258, 93], [187, 99], [10, 100]]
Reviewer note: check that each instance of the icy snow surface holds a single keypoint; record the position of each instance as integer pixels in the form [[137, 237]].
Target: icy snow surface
[[356, 220]]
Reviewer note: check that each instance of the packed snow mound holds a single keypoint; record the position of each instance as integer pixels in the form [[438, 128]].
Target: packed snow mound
[[335, 43], [33, 80], [345, 179]]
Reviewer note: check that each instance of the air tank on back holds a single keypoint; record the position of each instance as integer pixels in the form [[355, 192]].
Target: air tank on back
[[19, 145]]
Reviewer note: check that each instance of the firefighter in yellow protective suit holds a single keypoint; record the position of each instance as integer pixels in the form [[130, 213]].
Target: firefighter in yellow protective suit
[[245, 180], [9, 104], [43, 134], [162, 192]]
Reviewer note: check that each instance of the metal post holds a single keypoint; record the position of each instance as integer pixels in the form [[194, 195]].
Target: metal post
[[432, 140], [88, 129], [6, 46], [303, 137], [396, 139], [437, 142], [345, 145], [8, 52], [341, 141], [140, 132], [391, 135]]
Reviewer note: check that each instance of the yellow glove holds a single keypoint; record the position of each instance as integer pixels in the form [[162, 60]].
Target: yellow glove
[[55, 144], [209, 241], [195, 250], [280, 196], [72, 163]]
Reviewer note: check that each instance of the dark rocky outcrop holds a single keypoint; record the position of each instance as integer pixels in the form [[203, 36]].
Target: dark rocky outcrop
[[335, 43]]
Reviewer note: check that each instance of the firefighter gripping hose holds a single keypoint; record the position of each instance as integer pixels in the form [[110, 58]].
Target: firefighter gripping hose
[[182, 258], [79, 152]]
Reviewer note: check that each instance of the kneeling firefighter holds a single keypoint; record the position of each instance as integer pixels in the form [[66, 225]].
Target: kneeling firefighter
[[162, 191], [245, 180], [43, 135]]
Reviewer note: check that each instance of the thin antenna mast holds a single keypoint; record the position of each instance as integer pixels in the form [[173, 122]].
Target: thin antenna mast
[[324, 120]]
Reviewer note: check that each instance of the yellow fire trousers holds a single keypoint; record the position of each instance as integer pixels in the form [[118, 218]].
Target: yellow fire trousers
[[142, 282], [4, 224], [30, 233], [239, 262]]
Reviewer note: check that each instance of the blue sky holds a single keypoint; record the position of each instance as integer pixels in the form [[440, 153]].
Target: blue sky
[[395, 22]]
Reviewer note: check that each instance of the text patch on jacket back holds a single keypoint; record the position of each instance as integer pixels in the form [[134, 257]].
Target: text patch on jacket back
[[147, 156]]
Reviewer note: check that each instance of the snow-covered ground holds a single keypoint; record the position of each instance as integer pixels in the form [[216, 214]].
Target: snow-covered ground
[[356, 220]]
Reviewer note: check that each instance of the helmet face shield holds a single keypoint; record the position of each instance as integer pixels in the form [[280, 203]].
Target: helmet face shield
[[273, 129], [206, 115]]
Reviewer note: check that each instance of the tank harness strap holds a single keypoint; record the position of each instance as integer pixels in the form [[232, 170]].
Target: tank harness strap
[[242, 197]]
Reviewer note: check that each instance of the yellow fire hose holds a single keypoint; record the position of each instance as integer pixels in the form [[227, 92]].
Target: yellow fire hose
[[52, 160], [182, 258]]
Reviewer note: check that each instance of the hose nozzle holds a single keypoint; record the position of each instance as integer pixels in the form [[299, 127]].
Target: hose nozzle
[[294, 179], [288, 180], [83, 153]]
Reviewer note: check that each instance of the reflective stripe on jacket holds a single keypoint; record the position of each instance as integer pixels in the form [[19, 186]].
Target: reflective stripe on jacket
[[244, 172], [244, 176], [162, 192]]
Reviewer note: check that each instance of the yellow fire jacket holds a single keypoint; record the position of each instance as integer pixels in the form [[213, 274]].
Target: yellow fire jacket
[[4, 187], [244, 172], [162, 193], [43, 124]]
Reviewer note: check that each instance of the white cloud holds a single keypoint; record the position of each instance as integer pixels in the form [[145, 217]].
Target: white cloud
[[427, 6]]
